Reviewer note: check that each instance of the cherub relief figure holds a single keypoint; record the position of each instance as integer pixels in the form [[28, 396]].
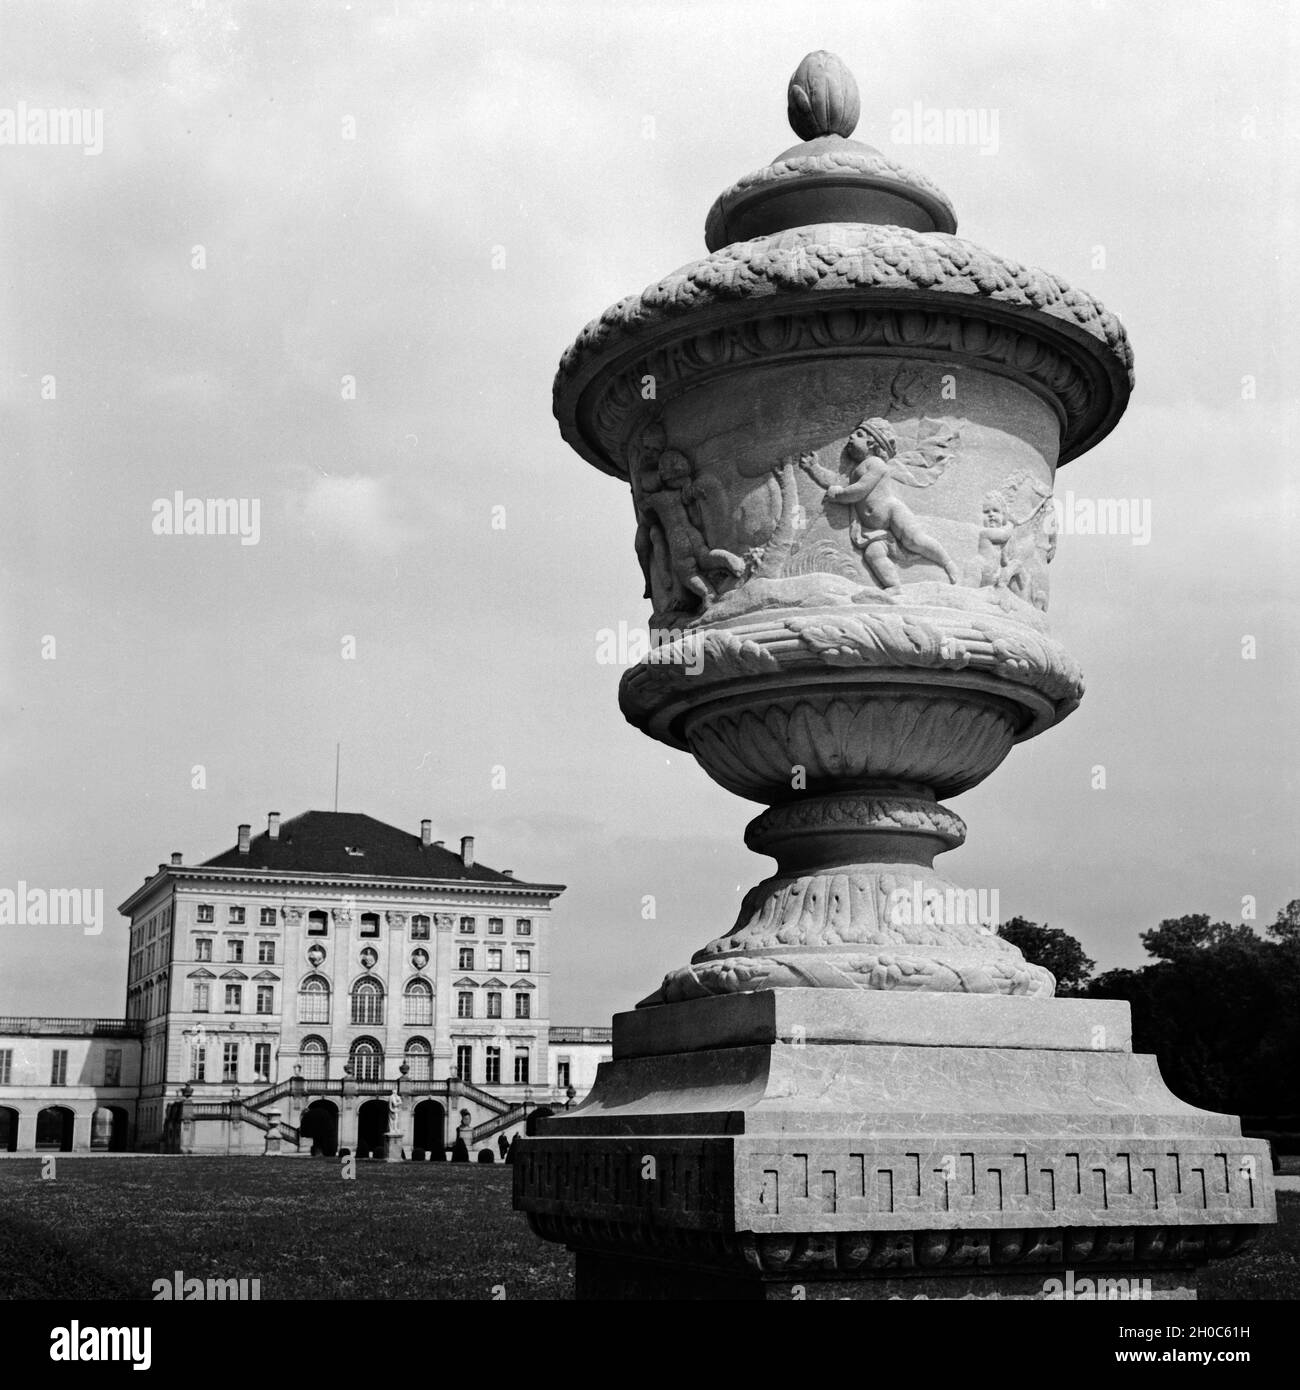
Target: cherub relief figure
[[883, 524], [994, 535], [1018, 539], [683, 571]]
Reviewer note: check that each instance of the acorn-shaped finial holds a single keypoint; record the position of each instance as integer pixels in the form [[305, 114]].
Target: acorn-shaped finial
[[823, 97]]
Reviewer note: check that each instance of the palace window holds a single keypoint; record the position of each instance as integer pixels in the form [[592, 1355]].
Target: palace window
[[266, 953], [237, 915], [59, 1067], [521, 1067], [203, 948], [205, 912], [523, 960], [562, 1070], [313, 1057], [417, 1004], [496, 926], [262, 1061], [465, 958], [6, 1065], [202, 996], [368, 1002], [314, 1000], [235, 952], [492, 1073], [464, 1004], [465, 1062], [367, 1060], [467, 926], [369, 924], [523, 926], [523, 1006], [234, 999], [494, 1004], [318, 924], [266, 999], [419, 1058], [199, 1064], [230, 1061], [419, 928], [494, 958], [266, 917]]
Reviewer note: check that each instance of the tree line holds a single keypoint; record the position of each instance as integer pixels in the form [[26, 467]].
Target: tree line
[[1219, 1005]]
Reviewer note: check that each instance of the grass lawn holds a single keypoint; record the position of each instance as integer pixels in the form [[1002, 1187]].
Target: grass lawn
[[107, 1228], [1268, 1269]]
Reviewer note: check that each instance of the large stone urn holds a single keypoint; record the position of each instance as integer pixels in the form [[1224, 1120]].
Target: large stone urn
[[841, 429]]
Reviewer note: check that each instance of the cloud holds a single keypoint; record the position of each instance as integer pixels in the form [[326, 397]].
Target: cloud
[[359, 512]]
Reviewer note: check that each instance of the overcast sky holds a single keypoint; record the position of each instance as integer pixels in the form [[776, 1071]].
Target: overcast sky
[[514, 169]]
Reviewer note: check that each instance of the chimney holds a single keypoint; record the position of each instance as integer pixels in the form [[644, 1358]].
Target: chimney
[[244, 832], [176, 856], [426, 834], [507, 873], [467, 851], [273, 825]]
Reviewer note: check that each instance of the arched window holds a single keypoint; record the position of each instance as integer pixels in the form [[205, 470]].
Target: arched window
[[418, 1004], [418, 1058], [314, 1057], [314, 1000], [368, 1001], [367, 1059]]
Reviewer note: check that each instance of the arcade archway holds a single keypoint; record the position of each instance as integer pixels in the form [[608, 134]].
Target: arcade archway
[[320, 1125]]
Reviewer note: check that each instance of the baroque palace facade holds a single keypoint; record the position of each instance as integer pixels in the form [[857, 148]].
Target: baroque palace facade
[[315, 986]]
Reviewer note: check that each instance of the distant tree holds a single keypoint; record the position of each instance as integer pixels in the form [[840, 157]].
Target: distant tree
[[1220, 1007], [1052, 948], [1179, 938], [1286, 928]]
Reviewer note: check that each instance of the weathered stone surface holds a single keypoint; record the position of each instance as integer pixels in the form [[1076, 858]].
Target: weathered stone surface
[[790, 1139], [811, 1017]]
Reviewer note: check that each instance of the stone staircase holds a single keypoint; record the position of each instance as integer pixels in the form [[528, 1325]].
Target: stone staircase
[[503, 1114]]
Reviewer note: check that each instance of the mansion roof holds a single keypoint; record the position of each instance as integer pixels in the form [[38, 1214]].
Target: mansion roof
[[346, 846], [352, 845]]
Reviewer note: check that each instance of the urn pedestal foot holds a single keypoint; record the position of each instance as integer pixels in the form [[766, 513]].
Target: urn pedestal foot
[[818, 1143], [616, 1277]]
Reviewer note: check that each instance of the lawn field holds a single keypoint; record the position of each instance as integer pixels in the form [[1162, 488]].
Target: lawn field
[[107, 1228]]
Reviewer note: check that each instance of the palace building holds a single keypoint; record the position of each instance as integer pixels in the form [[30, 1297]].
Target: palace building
[[308, 989]]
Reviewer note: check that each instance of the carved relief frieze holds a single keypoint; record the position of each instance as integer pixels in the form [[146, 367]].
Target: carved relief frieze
[[1018, 538]]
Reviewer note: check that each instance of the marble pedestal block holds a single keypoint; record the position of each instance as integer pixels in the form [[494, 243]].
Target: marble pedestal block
[[393, 1146], [817, 1143]]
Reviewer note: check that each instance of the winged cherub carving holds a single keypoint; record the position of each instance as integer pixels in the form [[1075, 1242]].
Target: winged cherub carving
[[882, 523], [680, 564], [1018, 538]]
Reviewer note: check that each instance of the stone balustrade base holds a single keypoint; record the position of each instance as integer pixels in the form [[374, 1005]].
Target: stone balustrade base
[[737, 1146]]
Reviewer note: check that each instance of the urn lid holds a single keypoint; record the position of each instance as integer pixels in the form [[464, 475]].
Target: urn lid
[[829, 177]]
